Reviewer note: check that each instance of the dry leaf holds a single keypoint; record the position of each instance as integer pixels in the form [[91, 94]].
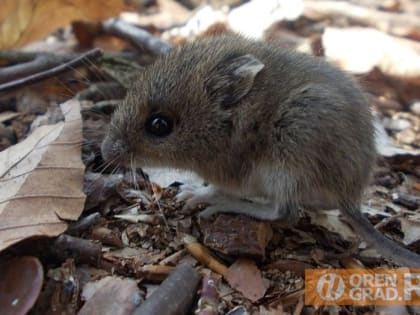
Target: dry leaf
[[8, 115], [411, 229], [331, 221], [41, 180], [245, 277], [359, 49], [22, 21], [111, 295], [385, 145], [264, 14]]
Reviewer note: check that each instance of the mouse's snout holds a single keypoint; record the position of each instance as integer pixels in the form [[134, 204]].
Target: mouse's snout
[[113, 149]]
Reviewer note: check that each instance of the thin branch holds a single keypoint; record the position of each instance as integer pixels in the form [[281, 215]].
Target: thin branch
[[35, 78], [28, 64], [137, 36]]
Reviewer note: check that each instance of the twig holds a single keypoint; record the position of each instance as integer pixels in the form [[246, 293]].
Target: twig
[[83, 251], [35, 78], [203, 255], [136, 36], [107, 236], [155, 273], [174, 296], [17, 56], [83, 224], [29, 63]]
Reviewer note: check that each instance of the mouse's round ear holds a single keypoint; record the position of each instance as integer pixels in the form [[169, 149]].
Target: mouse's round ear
[[232, 79]]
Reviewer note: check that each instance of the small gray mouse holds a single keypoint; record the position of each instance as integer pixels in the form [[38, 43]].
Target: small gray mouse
[[283, 129]]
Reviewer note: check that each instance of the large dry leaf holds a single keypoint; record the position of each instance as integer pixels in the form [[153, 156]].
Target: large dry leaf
[[244, 276], [360, 49], [41, 180], [22, 21]]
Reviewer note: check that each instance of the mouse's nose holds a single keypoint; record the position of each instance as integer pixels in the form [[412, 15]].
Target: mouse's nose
[[113, 149]]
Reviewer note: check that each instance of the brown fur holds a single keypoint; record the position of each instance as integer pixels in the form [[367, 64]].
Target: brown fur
[[298, 132]]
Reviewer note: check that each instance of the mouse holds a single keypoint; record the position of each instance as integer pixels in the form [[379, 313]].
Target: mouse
[[270, 130]]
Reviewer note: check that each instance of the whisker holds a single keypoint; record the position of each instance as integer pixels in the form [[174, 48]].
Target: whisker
[[98, 73], [134, 173]]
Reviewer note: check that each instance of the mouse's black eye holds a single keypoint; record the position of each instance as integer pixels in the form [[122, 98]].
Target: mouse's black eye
[[159, 125]]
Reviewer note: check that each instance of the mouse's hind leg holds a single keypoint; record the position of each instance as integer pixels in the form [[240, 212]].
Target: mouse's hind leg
[[221, 202]]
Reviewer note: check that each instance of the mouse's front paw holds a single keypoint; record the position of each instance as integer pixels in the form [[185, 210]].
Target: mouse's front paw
[[193, 195], [211, 211]]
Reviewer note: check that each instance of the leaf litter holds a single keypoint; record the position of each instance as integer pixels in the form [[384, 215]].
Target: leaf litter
[[132, 228]]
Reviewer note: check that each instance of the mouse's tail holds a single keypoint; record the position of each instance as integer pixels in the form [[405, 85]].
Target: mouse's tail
[[386, 247]]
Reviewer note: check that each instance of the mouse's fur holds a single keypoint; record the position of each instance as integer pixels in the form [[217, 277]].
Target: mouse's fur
[[256, 121]]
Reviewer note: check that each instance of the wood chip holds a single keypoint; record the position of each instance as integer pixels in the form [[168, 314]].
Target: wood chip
[[237, 235]]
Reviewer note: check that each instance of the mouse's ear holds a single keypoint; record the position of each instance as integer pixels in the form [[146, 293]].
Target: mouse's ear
[[232, 79]]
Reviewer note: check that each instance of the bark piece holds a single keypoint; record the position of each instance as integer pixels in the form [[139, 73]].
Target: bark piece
[[237, 235]]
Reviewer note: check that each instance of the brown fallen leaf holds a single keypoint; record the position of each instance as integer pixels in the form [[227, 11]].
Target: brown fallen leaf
[[244, 276], [22, 21], [41, 180]]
